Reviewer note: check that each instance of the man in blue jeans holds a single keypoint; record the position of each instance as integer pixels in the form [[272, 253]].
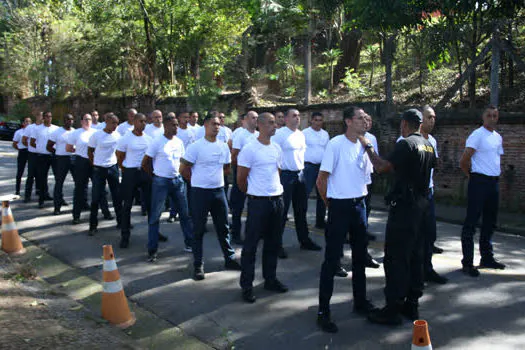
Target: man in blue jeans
[[204, 165], [162, 161], [481, 164]]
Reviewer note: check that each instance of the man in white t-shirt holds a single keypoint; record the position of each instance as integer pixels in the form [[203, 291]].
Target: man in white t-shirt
[[481, 164], [21, 159], [316, 140], [258, 167], [155, 129], [162, 162], [193, 121], [31, 158], [45, 159], [344, 159], [77, 143], [184, 131], [237, 198], [101, 121], [279, 119], [204, 164], [95, 116], [130, 152], [101, 153], [64, 161], [293, 145], [123, 128]]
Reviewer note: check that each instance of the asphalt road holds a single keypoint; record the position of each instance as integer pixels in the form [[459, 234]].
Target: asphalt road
[[467, 313]]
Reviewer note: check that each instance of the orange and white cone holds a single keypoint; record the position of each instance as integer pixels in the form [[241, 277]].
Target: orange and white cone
[[420, 336], [115, 306], [11, 242]]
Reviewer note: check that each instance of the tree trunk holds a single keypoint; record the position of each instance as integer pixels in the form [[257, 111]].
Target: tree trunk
[[307, 69], [494, 75], [388, 59], [244, 61], [351, 46], [473, 52]]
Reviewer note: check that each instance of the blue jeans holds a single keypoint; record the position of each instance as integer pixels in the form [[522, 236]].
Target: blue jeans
[[64, 165], [175, 188], [100, 176], [310, 176], [344, 216], [264, 221], [295, 193], [204, 201], [483, 200], [237, 199]]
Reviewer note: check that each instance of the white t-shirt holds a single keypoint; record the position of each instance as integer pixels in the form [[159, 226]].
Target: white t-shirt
[[346, 162], [166, 155], [152, 131], [370, 167], [208, 159], [99, 126], [264, 162], [135, 148], [123, 128], [186, 135], [28, 132], [17, 137], [225, 133], [80, 138], [105, 145], [489, 148], [243, 137], [41, 135], [236, 131], [316, 142], [60, 137], [293, 145]]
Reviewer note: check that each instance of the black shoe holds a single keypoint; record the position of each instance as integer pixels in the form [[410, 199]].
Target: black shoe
[[17, 193], [386, 316], [198, 273], [124, 242], [171, 219], [410, 310], [470, 271], [247, 296], [92, 231], [364, 308], [491, 264], [237, 240], [152, 257], [231, 264], [437, 250], [65, 204], [320, 225], [47, 197], [162, 238], [341, 272], [370, 262], [310, 245], [275, 286], [325, 323], [108, 217], [370, 237], [282, 254], [75, 221], [56, 212], [435, 277], [27, 199], [40, 205]]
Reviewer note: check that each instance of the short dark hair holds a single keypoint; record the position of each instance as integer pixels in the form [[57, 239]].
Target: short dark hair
[[210, 116], [68, 115], [140, 115], [317, 114], [168, 118], [46, 112], [349, 113]]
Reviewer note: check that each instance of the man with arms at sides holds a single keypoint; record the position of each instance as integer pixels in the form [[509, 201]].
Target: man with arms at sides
[[204, 165], [237, 197], [193, 121], [481, 164], [293, 146], [31, 158], [101, 153], [130, 152], [101, 122], [95, 121], [162, 162], [21, 159], [123, 128], [45, 159], [155, 129], [412, 161], [344, 159], [64, 161], [258, 176], [279, 119]]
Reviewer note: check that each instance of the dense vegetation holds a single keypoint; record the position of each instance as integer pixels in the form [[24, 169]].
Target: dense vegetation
[[272, 51]]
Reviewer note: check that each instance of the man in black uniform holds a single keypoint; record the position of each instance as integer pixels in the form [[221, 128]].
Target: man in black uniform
[[411, 160]]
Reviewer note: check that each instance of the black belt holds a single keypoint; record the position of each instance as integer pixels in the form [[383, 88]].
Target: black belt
[[316, 164], [291, 171], [353, 200], [264, 197], [483, 176]]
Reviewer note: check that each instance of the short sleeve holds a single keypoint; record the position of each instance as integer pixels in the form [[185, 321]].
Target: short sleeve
[[191, 153], [16, 136], [54, 135], [237, 141], [71, 138], [227, 159], [122, 144], [399, 155], [93, 140], [500, 148], [152, 150], [280, 158], [327, 164], [473, 141], [245, 158]]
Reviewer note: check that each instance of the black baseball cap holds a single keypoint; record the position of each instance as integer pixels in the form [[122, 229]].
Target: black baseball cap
[[412, 115]]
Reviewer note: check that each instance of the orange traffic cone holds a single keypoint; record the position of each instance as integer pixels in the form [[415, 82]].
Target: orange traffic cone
[[420, 336], [115, 306], [11, 242]]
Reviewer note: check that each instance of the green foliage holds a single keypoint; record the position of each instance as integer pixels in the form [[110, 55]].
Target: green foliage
[[353, 83], [20, 111]]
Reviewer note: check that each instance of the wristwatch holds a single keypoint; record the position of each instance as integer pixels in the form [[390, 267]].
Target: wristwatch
[[368, 146]]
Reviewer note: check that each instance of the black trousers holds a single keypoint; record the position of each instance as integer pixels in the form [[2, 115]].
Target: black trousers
[[84, 172], [63, 165], [43, 163], [133, 179], [31, 175], [102, 175], [404, 244], [21, 161]]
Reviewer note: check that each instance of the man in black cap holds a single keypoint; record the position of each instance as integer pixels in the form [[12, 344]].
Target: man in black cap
[[412, 160]]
